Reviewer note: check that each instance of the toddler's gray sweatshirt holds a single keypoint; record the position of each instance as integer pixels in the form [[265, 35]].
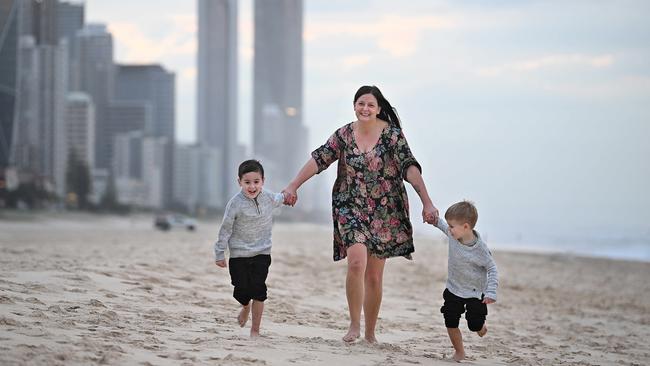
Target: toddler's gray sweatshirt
[[471, 269], [246, 226]]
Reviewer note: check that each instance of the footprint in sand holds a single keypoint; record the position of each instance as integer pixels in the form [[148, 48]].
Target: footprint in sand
[[33, 300]]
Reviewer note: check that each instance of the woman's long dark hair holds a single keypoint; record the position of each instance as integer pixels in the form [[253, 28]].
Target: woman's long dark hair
[[387, 113]]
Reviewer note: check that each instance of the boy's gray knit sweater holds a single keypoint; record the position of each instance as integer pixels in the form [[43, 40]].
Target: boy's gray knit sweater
[[246, 226], [471, 269]]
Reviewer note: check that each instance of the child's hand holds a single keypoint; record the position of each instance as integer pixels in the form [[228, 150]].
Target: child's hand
[[287, 198], [221, 263], [430, 214], [487, 300], [290, 196]]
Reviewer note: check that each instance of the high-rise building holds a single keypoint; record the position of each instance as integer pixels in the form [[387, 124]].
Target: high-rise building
[[150, 84], [41, 82], [186, 176], [27, 149], [127, 168], [217, 87], [155, 154], [70, 19], [127, 157], [125, 116], [94, 52], [80, 116], [279, 136], [53, 79], [153, 86], [41, 20], [9, 32]]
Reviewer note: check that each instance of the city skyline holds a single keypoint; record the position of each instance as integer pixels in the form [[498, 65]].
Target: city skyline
[[550, 97]]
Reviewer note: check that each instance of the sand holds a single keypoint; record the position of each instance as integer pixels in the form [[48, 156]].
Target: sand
[[87, 289]]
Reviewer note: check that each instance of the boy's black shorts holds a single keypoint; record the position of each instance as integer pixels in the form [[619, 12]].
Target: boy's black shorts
[[454, 306], [248, 275]]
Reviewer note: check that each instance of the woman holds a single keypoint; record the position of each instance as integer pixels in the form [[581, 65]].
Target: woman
[[369, 202]]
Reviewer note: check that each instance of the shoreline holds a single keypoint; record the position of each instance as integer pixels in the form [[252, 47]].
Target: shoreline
[[44, 215]]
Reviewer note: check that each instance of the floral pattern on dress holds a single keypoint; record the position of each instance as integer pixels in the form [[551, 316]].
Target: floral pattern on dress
[[369, 201]]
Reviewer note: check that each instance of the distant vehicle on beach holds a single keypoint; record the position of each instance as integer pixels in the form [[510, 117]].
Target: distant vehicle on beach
[[165, 221]]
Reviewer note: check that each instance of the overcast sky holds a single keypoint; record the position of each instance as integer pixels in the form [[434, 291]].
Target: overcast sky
[[539, 111]]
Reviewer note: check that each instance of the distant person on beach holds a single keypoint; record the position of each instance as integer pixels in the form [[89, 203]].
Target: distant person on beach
[[246, 232], [370, 207], [472, 277]]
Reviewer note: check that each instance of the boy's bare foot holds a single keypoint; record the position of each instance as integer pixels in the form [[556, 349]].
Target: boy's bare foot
[[255, 333], [242, 318], [353, 334], [483, 331], [459, 356]]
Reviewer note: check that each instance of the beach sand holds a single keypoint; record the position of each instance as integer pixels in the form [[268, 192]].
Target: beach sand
[[87, 289]]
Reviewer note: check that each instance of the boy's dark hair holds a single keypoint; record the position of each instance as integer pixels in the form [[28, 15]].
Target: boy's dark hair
[[464, 212], [251, 165]]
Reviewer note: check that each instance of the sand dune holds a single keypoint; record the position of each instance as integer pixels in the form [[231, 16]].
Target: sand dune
[[78, 289]]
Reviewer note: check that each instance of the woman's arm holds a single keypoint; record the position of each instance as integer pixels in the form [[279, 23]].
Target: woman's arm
[[429, 211], [308, 170]]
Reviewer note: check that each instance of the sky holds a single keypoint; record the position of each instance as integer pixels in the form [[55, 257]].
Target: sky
[[538, 111]]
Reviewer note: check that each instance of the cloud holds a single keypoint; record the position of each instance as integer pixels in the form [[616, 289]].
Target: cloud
[[184, 23], [353, 61], [134, 46], [553, 61], [626, 86], [188, 74], [397, 35]]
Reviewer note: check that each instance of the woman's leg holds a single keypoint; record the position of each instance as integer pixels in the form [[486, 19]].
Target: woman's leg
[[357, 259], [373, 291]]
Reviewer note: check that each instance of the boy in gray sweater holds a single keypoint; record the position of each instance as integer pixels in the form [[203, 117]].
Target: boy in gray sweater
[[472, 277], [246, 232]]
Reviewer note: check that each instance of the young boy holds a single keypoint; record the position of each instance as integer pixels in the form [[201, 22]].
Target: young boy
[[472, 275], [246, 232]]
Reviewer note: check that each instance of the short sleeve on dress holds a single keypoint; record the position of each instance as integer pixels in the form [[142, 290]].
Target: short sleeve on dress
[[404, 156], [328, 152]]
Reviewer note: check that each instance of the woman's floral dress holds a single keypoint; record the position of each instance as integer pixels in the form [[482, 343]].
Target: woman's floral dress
[[369, 202]]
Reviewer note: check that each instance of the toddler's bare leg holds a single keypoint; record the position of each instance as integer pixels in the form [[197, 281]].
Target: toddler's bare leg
[[242, 318], [483, 331], [258, 309], [457, 341]]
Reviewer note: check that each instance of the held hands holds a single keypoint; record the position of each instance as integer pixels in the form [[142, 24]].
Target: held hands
[[221, 263], [487, 300], [290, 196], [430, 214]]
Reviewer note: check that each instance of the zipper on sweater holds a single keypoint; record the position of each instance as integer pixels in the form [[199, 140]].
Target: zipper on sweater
[[257, 206]]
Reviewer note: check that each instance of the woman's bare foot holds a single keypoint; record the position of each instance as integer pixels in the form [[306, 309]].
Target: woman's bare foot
[[255, 333], [459, 356], [483, 331], [242, 318], [353, 334], [371, 339]]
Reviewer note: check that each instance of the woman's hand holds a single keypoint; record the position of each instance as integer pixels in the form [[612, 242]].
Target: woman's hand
[[221, 263], [430, 214], [290, 195]]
